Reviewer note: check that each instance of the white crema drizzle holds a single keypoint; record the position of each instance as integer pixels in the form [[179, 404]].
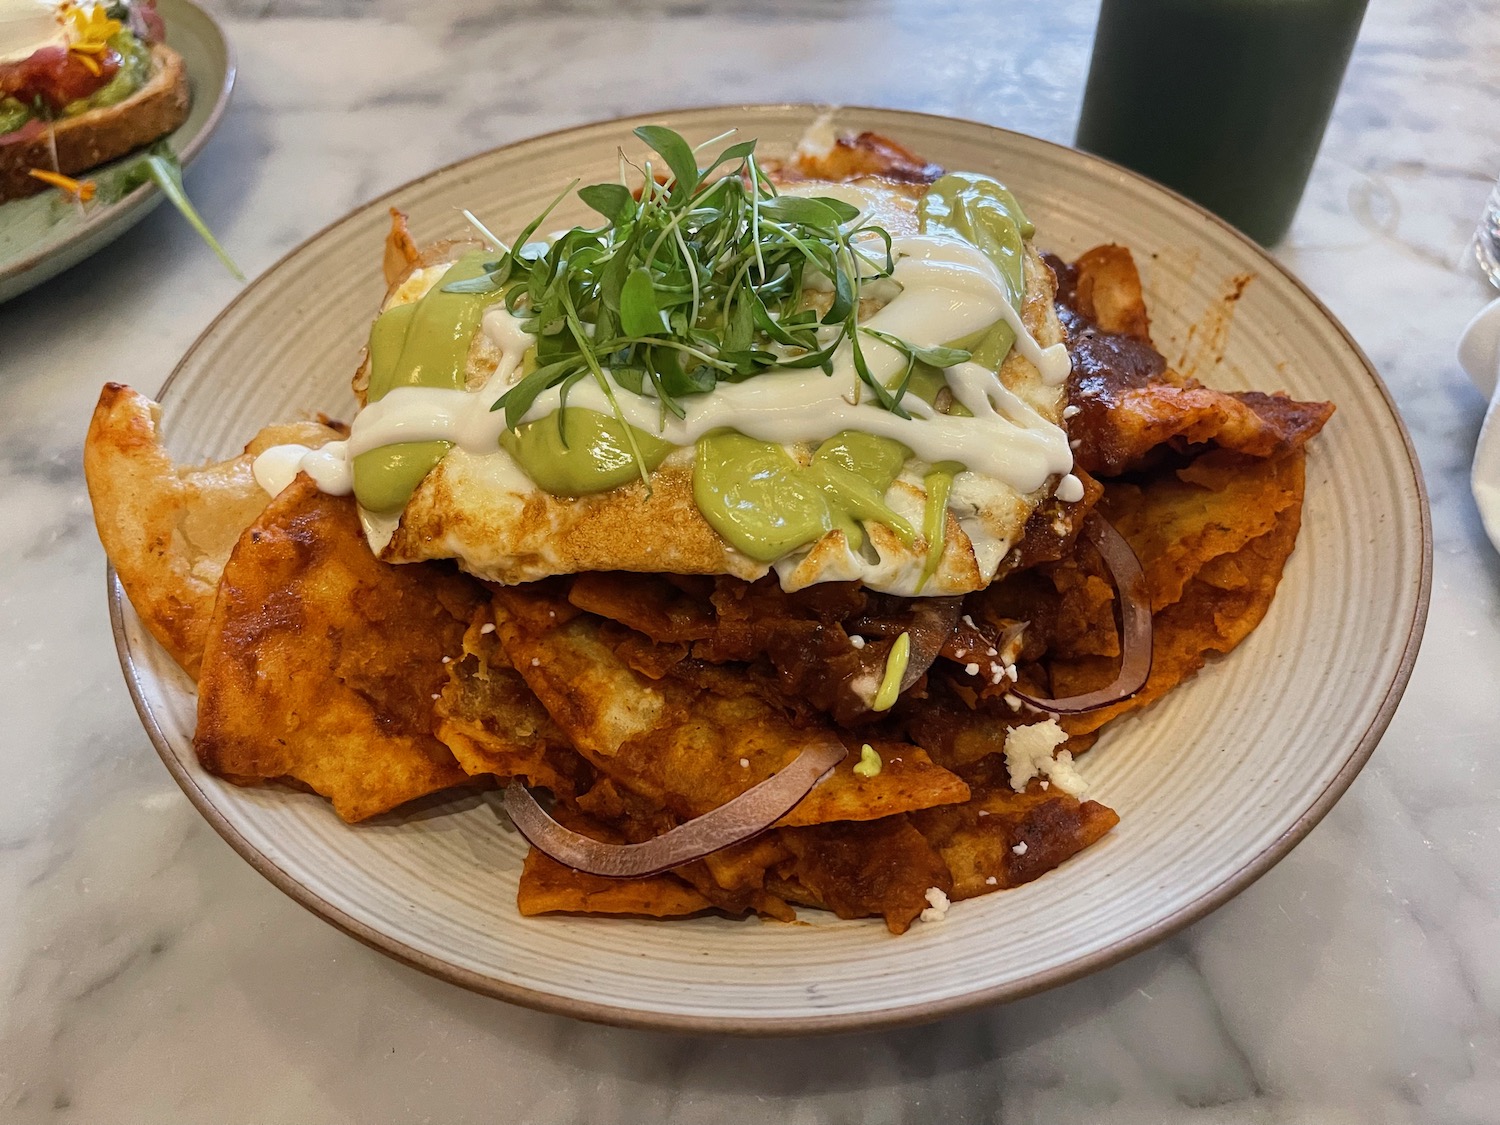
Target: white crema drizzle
[[328, 465]]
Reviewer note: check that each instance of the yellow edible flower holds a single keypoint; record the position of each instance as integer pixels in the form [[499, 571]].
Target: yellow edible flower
[[82, 190], [90, 30]]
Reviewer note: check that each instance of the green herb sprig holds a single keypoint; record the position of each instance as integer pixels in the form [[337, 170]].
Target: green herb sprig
[[696, 279], [159, 165]]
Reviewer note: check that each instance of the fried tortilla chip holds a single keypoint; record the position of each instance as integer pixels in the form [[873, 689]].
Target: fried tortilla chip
[[742, 895], [1135, 421], [957, 736], [908, 779], [1210, 537], [1001, 838], [732, 879], [323, 665], [1069, 607], [877, 868], [743, 867], [868, 154], [683, 747], [654, 604], [168, 529], [493, 724], [1177, 522], [401, 253], [547, 887], [1129, 404], [1108, 291], [1218, 608]]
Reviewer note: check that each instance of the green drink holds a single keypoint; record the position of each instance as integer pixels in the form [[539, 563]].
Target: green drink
[[1224, 100]]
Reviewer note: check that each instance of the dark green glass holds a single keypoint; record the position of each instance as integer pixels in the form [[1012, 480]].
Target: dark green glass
[[1224, 100]]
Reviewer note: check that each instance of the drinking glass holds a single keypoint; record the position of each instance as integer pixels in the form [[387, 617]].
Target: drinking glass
[[1224, 100]]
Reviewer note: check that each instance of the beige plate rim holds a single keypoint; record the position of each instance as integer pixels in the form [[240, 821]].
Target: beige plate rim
[[863, 1021], [119, 216]]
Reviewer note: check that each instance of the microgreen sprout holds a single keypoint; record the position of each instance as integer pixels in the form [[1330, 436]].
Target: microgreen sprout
[[694, 279], [488, 235]]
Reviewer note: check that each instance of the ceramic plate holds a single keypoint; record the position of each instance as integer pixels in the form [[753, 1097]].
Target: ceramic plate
[[1213, 785], [45, 234]]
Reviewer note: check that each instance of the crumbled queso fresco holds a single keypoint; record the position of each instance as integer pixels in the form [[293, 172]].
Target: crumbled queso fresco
[[1028, 754], [939, 908]]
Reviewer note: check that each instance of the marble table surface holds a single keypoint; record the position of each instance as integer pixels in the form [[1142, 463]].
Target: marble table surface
[[148, 975]]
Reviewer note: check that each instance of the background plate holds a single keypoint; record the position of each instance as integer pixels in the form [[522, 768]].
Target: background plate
[[1213, 785], [45, 234]]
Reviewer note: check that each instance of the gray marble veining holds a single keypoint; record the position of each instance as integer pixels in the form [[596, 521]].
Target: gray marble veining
[[148, 975]]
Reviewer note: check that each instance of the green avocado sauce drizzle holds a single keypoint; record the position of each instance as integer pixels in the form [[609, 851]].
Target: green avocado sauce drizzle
[[938, 484], [983, 212], [766, 505], [895, 668], [575, 452], [423, 344], [870, 763]]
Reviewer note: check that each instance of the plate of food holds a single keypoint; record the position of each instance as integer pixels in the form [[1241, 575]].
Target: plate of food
[[89, 93], [757, 570]]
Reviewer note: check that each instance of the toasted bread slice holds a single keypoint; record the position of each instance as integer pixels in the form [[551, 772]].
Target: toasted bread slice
[[91, 138]]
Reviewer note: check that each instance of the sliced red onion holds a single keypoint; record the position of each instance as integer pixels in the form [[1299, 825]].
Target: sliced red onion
[[1135, 625], [747, 815], [935, 619], [932, 621]]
